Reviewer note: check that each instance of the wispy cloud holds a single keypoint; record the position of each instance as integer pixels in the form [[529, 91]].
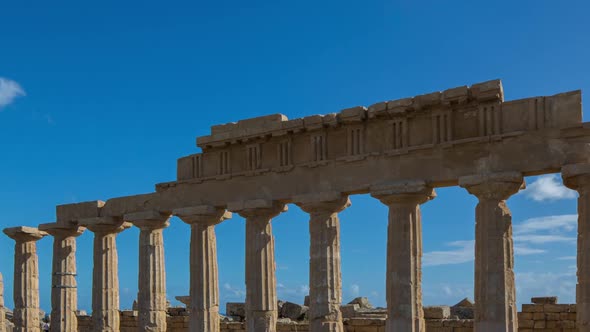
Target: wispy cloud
[[567, 258], [355, 290], [527, 234], [463, 252], [522, 250], [542, 239], [566, 222], [561, 284], [230, 292], [9, 90], [291, 293], [548, 188]]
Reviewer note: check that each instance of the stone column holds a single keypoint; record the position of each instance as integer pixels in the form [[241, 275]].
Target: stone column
[[204, 279], [325, 277], [495, 292], [2, 311], [261, 283], [64, 291], [577, 177], [404, 253], [26, 278], [152, 270], [105, 274]]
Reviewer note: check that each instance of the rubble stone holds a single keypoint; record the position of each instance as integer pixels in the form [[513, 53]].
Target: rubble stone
[[437, 312], [362, 302], [293, 311]]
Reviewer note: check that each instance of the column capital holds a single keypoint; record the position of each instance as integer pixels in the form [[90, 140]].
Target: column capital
[[24, 233], [496, 186], [257, 208], [148, 220], [58, 230], [403, 192], [323, 202], [202, 214], [576, 176], [105, 225]]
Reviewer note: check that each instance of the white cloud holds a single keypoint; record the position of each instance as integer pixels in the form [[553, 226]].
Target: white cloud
[[566, 222], [229, 292], [522, 250], [294, 294], [463, 252], [542, 239], [563, 285], [548, 188], [447, 290], [567, 258], [9, 90], [355, 290], [446, 293]]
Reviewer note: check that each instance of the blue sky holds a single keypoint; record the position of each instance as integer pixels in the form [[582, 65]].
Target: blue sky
[[99, 99]]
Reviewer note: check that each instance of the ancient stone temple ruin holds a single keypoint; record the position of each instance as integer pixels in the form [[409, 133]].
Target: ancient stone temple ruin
[[398, 151]]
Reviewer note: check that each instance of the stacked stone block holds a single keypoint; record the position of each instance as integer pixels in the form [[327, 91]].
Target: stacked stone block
[[544, 314]]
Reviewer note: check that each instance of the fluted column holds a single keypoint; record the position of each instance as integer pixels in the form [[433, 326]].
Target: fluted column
[[404, 253], [495, 291], [26, 278], [64, 291], [204, 279], [105, 273], [2, 311], [325, 276], [152, 270], [261, 283], [577, 177]]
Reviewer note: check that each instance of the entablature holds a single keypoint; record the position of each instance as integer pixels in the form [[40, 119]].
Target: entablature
[[444, 119]]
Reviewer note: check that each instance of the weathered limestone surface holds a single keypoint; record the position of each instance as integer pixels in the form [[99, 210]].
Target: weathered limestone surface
[[577, 177], [26, 277], [325, 277], [404, 253], [152, 270], [546, 317], [204, 279], [105, 274], [261, 283], [495, 291], [64, 291]]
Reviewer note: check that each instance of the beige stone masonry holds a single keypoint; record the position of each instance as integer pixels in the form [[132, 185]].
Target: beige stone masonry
[[577, 177], [404, 253], [152, 270], [64, 288], [26, 277], [105, 274], [68, 214], [2, 309], [261, 282], [325, 277], [204, 279], [495, 291]]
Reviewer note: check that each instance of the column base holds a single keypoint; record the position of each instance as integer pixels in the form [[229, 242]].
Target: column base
[[326, 325], [261, 321], [204, 321]]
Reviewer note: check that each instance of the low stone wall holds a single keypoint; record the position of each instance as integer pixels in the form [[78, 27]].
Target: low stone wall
[[547, 317], [180, 324]]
